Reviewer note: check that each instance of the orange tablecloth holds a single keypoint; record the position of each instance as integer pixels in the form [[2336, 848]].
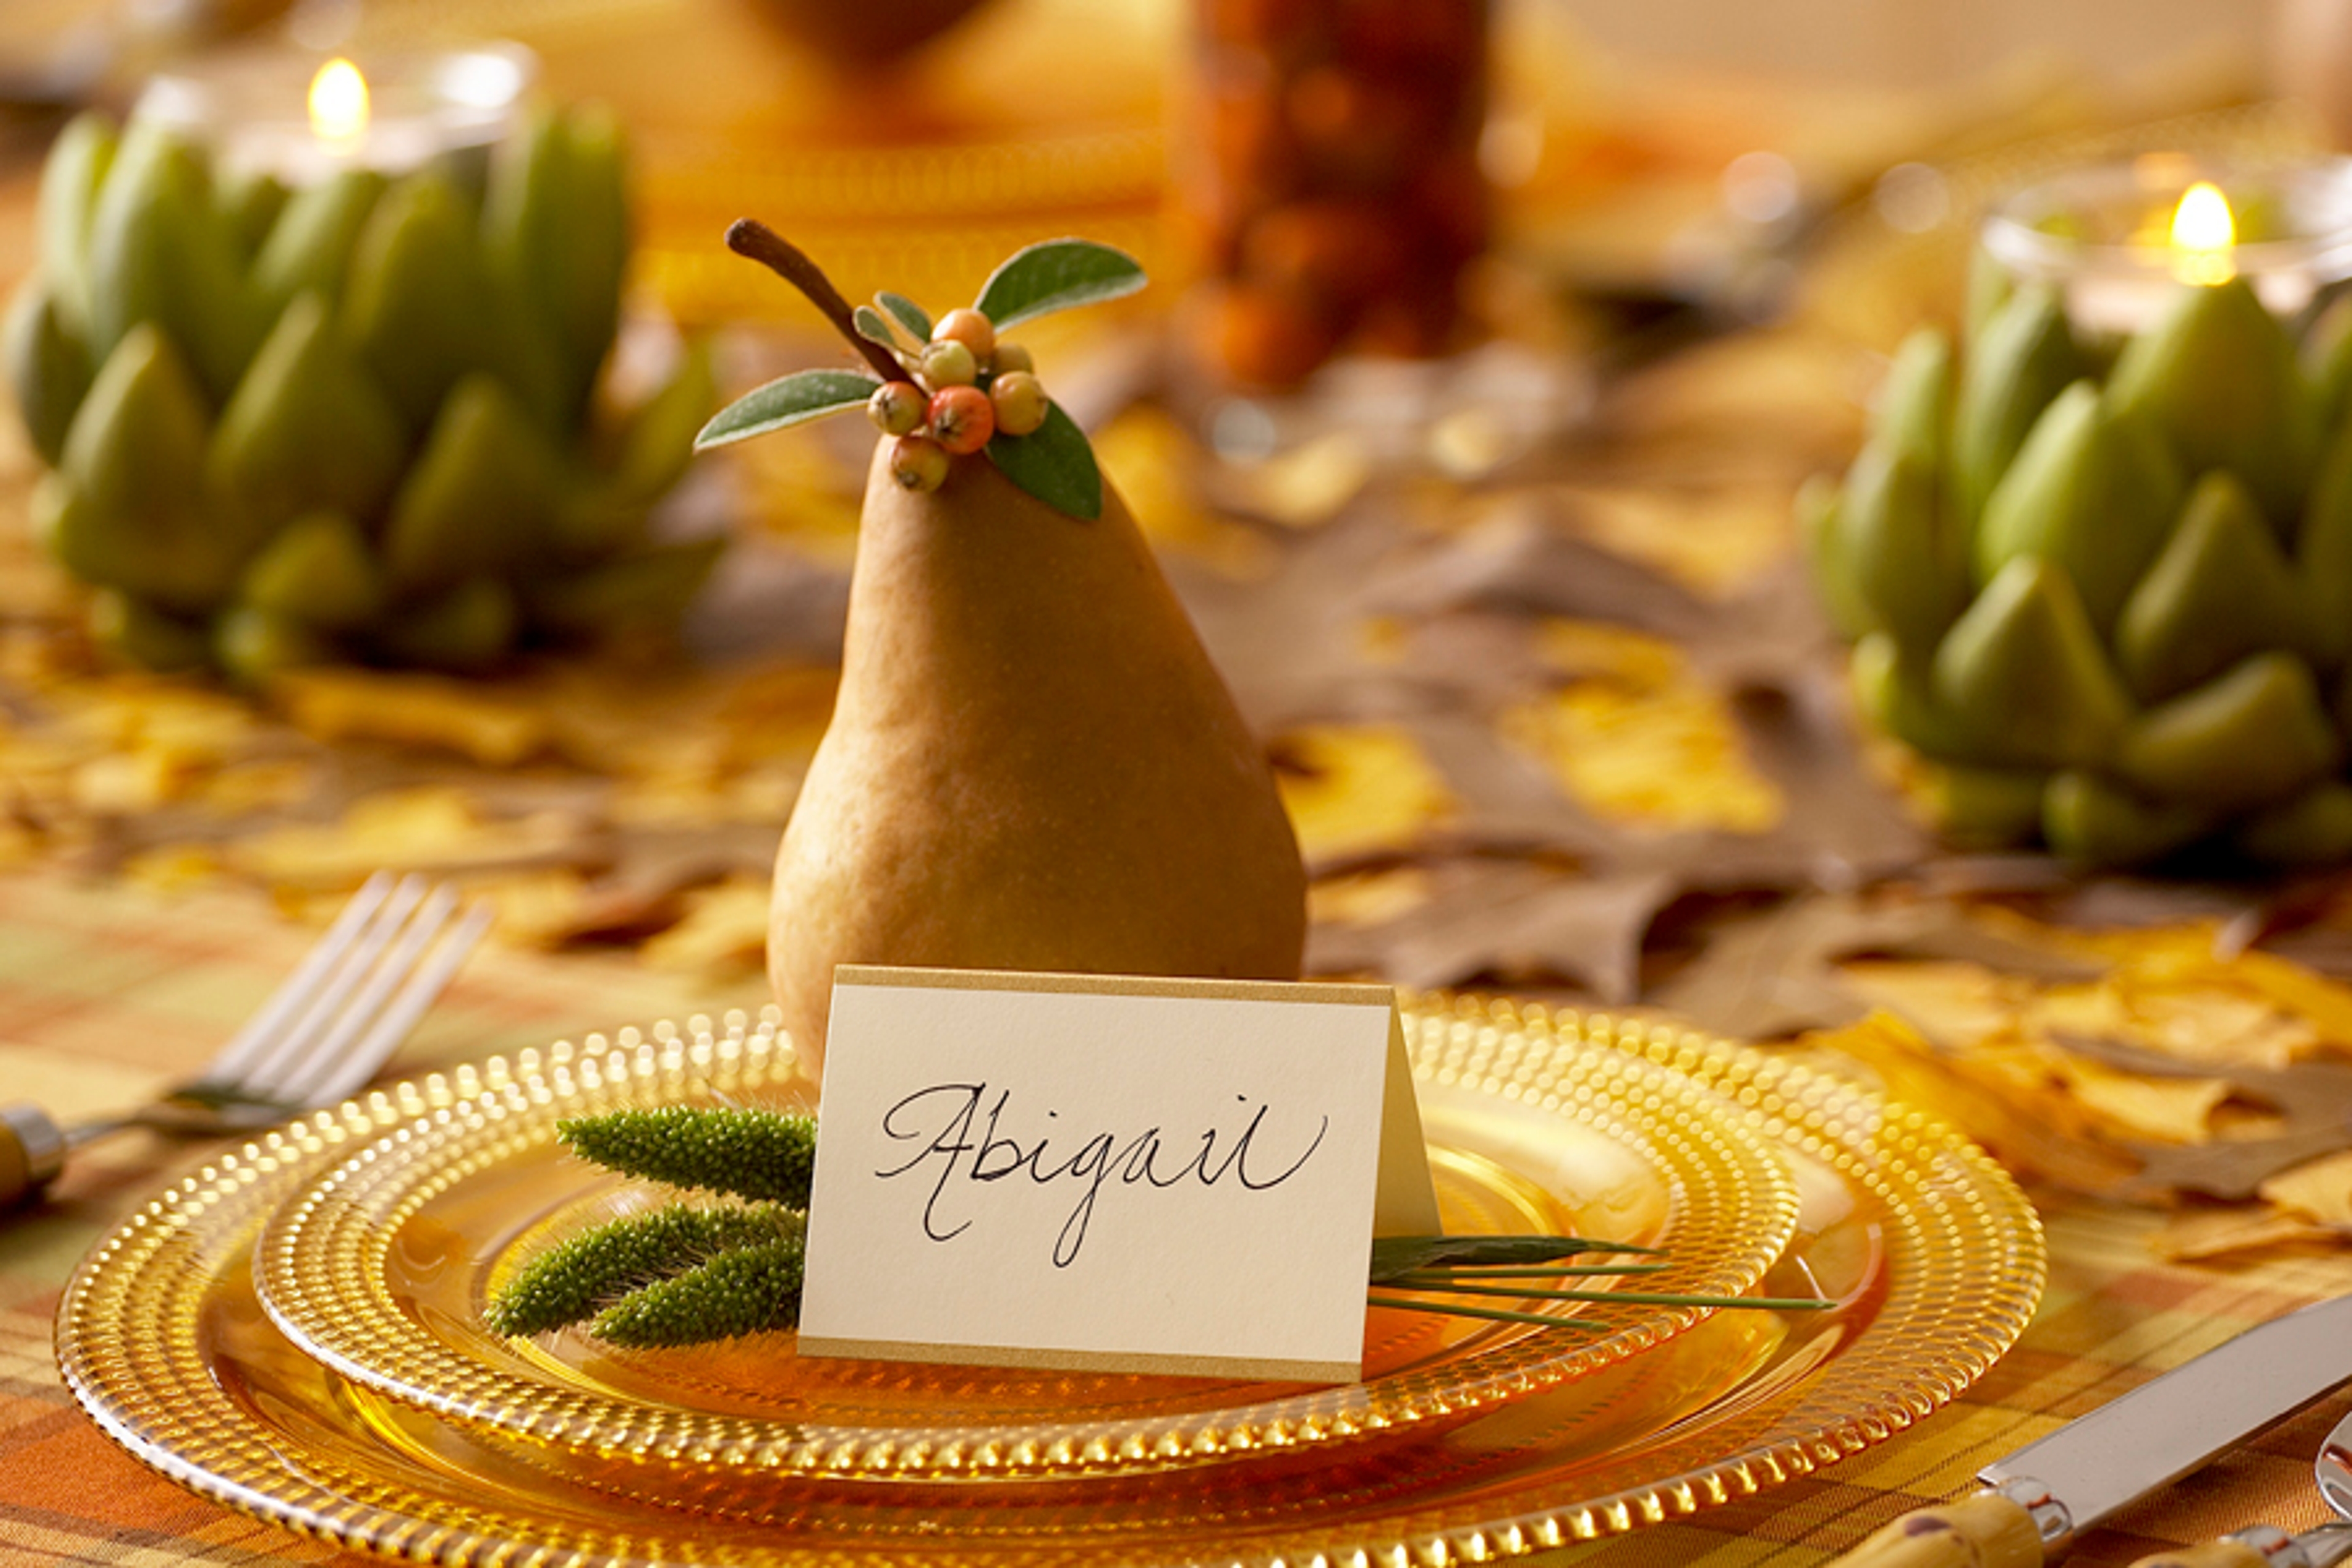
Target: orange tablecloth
[[106, 993]]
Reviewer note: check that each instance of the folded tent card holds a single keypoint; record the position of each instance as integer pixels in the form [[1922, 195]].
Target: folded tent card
[[1107, 1174]]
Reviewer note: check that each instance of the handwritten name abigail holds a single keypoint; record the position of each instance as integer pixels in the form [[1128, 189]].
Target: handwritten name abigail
[[964, 1154]]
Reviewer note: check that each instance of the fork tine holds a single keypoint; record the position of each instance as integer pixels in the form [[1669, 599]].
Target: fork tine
[[295, 1076], [355, 1066], [263, 1030], [352, 966]]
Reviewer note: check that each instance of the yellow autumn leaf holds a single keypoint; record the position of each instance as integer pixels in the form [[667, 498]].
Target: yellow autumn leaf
[[2319, 1190], [1355, 788]]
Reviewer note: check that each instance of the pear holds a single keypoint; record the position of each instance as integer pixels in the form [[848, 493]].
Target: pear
[[479, 496], [2216, 376], [1032, 765], [2093, 492], [2255, 735], [2023, 357], [2220, 590], [307, 430], [2023, 668]]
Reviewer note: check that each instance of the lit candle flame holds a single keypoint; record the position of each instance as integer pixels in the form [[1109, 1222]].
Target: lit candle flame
[[2203, 236], [339, 103]]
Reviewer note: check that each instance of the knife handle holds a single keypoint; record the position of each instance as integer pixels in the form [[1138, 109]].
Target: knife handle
[[1987, 1531], [32, 1149]]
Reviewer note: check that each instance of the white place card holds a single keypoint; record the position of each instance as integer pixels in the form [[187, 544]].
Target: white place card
[[1107, 1174]]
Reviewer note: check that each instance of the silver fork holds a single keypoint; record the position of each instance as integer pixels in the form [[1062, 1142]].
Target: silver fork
[[322, 1033]]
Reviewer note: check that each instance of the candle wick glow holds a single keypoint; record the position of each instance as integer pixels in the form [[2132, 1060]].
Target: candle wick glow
[[339, 103], [2203, 236]]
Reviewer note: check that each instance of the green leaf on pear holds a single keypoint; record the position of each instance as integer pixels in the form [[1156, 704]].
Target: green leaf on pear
[[1053, 463], [877, 328], [909, 315], [792, 400], [1054, 276]]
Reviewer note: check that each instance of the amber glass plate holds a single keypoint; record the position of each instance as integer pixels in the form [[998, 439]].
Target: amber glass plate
[[1931, 1254], [380, 1268]]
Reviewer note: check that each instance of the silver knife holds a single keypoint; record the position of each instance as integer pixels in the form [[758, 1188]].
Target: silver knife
[[2039, 1498]]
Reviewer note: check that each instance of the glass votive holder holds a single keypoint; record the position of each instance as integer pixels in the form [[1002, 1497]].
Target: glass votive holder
[[2117, 240], [301, 116]]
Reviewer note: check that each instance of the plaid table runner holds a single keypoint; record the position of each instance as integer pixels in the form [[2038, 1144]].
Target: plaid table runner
[[106, 993]]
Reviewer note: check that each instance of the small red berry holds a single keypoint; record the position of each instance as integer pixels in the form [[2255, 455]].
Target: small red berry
[[919, 463], [962, 419], [968, 327], [1012, 356], [895, 408], [1020, 401], [947, 362]]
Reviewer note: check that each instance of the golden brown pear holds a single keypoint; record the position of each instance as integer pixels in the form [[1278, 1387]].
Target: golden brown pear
[[1032, 765]]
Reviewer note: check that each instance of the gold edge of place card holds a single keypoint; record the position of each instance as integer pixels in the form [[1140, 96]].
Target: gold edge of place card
[[1338, 993], [1241, 1368]]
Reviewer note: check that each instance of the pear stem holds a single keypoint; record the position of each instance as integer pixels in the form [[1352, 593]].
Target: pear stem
[[750, 237]]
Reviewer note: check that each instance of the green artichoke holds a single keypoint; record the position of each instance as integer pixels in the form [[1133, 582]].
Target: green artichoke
[[2113, 617], [358, 420]]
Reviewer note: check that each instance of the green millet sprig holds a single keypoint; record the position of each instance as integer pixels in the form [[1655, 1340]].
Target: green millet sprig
[[686, 1274], [747, 1291], [763, 1155], [598, 1270]]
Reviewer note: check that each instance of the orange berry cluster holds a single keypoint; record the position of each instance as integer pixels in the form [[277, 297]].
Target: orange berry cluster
[[967, 388]]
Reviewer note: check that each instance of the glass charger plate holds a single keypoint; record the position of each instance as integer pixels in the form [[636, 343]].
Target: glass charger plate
[[379, 1269], [1933, 1256]]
